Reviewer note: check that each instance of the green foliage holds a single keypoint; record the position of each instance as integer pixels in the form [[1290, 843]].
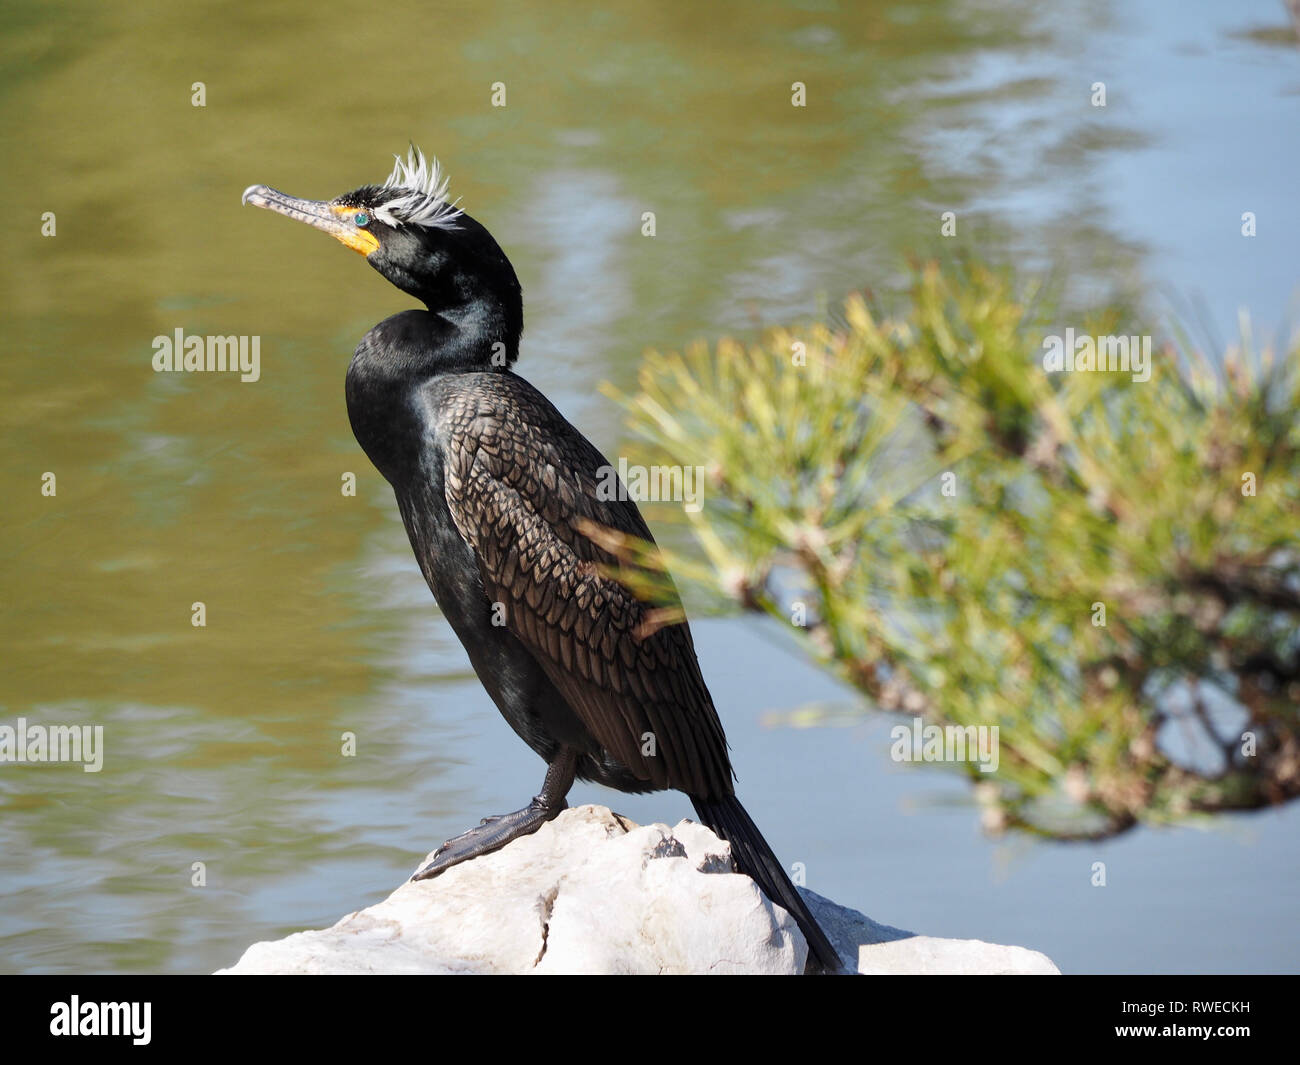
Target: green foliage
[[1172, 503]]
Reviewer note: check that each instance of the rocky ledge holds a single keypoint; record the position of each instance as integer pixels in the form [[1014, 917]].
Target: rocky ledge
[[591, 892]]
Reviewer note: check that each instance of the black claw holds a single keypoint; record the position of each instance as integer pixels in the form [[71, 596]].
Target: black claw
[[492, 834]]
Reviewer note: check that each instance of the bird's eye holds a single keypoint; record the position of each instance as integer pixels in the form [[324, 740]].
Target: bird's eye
[[361, 218]]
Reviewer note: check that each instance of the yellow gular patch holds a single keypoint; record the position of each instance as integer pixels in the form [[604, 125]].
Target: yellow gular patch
[[359, 240]]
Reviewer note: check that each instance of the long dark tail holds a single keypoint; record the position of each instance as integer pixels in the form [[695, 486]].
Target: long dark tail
[[755, 859]]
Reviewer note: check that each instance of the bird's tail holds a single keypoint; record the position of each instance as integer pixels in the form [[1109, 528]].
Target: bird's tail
[[755, 859]]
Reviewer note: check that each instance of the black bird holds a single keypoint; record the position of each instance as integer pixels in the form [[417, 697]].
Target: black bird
[[496, 489]]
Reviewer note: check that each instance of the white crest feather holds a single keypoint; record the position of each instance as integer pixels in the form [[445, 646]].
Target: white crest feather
[[424, 194]]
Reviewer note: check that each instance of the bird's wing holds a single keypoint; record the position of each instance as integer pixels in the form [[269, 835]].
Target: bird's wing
[[519, 482]]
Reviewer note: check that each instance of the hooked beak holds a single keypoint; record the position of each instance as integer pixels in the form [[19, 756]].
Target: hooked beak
[[334, 219]]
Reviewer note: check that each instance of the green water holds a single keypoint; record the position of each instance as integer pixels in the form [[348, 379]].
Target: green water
[[223, 742]]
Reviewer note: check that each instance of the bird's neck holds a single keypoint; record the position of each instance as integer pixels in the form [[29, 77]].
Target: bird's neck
[[402, 354], [477, 335]]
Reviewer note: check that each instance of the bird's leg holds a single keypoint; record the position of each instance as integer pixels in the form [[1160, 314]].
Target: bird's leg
[[493, 833]]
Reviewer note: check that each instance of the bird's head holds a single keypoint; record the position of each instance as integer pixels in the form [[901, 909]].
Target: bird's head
[[420, 240]]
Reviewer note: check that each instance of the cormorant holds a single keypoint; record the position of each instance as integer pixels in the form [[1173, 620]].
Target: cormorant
[[494, 488]]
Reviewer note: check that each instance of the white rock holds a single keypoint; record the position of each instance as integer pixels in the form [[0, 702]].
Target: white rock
[[591, 892], [960, 957]]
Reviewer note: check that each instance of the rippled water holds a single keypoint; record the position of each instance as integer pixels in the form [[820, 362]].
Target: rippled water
[[222, 743]]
